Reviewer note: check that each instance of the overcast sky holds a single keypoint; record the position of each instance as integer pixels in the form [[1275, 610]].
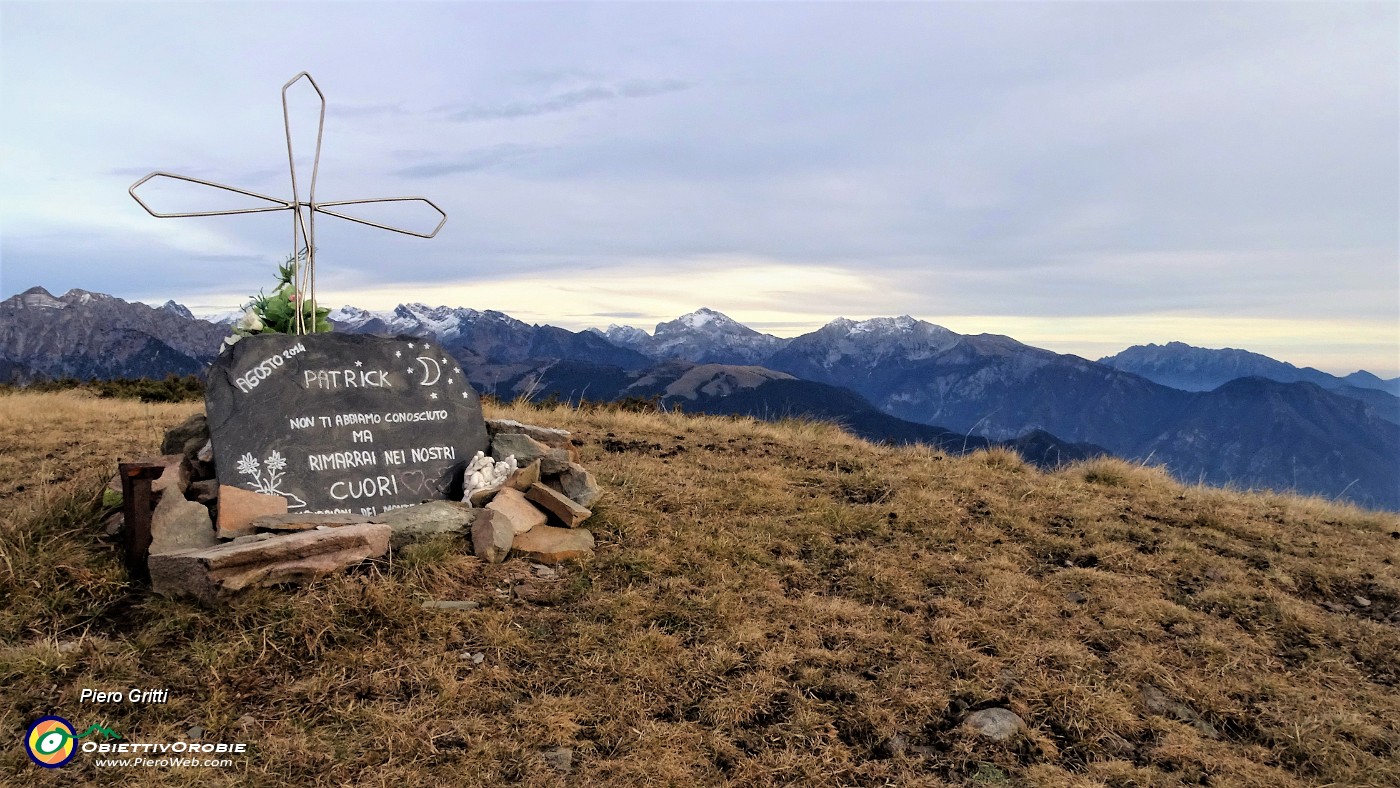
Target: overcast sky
[[1079, 176]]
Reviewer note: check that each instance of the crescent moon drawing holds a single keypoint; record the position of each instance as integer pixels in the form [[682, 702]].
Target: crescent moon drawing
[[430, 373]]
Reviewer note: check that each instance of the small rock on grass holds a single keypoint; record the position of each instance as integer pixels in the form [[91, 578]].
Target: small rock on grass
[[523, 448], [560, 759], [178, 524], [894, 746], [549, 436], [520, 513], [275, 560], [526, 592], [555, 462], [577, 483], [1157, 702], [450, 604], [427, 519], [492, 535], [996, 724], [550, 545], [557, 504], [113, 524], [1118, 746], [238, 508], [479, 498], [522, 478]]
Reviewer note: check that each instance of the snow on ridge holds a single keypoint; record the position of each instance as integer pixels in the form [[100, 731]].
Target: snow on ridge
[[701, 317], [41, 300], [624, 331], [346, 314], [903, 323], [222, 318]]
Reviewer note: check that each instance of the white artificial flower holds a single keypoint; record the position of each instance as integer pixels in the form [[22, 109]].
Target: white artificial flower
[[250, 321]]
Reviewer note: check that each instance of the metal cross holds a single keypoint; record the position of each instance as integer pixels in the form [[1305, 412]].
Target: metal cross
[[303, 211]]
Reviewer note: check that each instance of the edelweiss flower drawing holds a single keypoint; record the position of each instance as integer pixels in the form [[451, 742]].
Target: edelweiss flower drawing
[[271, 484]]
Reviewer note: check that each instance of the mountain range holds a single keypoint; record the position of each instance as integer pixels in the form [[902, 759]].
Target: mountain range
[[1188, 368], [898, 379]]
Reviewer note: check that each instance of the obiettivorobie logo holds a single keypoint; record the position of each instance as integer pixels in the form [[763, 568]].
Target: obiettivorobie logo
[[51, 742]]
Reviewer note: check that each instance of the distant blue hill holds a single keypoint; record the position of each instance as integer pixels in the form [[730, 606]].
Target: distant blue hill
[[1190, 368]]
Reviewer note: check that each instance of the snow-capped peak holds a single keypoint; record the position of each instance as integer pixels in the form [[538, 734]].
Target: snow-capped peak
[[703, 317], [916, 338], [81, 296], [615, 330], [346, 314], [703, 320], [438, 320], [177, 309], [903, 324], [885, 325]]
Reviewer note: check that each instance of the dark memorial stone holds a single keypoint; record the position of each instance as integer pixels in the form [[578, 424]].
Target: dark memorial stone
[[342, 422]]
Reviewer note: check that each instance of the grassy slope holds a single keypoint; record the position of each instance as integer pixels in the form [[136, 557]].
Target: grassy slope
[[768, 604]]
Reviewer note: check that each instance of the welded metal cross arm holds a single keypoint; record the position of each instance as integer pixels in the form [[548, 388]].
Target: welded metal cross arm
[[320, 207], [278, 205], [285, 205]]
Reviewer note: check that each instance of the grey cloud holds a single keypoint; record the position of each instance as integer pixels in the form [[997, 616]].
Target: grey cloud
[[556, 76], [568, 100], [365, 110], [472, 161], [232, 258], [137, 172], [648, 88]]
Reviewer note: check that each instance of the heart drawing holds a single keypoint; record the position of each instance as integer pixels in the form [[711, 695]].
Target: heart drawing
[[413, 480]]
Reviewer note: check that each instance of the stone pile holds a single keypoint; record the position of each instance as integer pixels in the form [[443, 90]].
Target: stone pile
[[527, 498]]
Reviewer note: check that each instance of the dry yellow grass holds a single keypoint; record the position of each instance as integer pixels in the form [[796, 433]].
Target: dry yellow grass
[[47, 440], [769, 604]]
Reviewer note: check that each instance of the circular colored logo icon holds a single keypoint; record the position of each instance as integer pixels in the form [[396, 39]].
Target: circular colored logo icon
[[50, 742]]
